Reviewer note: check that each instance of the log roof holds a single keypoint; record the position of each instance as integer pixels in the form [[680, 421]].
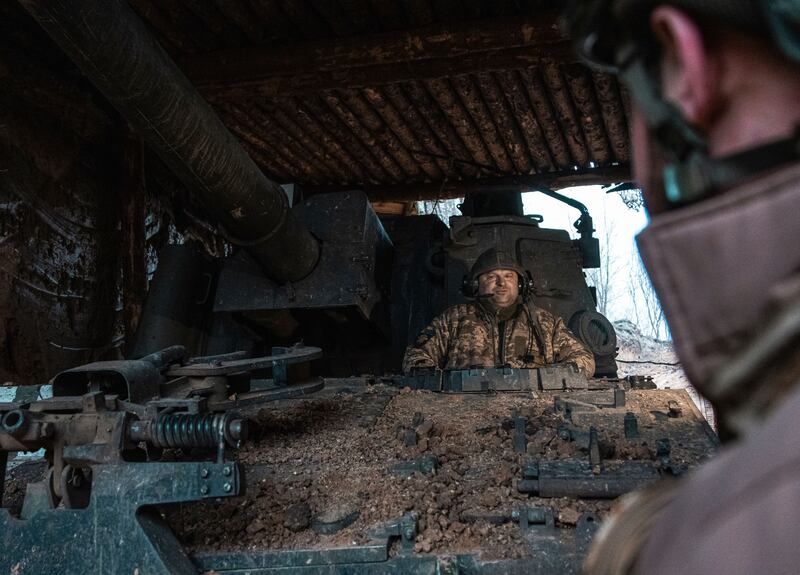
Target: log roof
[[407, 98]]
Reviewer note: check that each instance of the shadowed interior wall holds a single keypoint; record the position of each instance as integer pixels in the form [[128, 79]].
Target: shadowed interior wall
[[58, 211]]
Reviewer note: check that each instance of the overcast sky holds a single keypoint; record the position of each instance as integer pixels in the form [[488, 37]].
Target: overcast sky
[[616, 227]]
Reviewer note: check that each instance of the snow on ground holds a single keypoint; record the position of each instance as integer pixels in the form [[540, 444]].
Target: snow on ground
[[640, 354], [28, 393]]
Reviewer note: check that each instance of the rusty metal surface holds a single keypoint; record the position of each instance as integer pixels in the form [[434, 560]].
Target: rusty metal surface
[[216, 368], [58, 255]]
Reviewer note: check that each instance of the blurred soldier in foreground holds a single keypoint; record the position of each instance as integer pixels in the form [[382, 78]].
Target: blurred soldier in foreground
[[499, 329], [715, 87]]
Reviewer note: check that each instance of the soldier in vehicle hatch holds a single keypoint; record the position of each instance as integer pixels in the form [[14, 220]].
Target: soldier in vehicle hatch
[[715, 88], [499, 328]]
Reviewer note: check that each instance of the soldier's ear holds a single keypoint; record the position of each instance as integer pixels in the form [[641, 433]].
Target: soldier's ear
[[689, 76]]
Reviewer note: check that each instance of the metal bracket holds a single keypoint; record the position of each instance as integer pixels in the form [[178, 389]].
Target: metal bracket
[[520, 439], [216, 368], [560, 378], [538, 518], [427, 465], [404, 528], [577, 478], [118, 532]]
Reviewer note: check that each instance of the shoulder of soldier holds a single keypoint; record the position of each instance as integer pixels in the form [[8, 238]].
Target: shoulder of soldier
[[541, 314], [448, 321], [458, 311]]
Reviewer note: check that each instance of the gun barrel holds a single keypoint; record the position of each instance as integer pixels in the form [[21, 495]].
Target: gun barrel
[[114, 49]]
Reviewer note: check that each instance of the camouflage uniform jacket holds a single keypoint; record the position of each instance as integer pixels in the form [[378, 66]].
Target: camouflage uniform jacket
[[468, 335]]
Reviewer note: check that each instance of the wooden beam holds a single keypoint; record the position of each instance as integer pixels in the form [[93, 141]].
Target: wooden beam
[[380, 58], [457, 189]]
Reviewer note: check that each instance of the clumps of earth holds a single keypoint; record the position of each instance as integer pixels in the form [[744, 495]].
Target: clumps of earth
[[639, 354], [340, 469]]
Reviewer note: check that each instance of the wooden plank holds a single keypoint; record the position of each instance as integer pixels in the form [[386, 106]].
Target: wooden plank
[[507, 127], [432, 144], [270, 158], [310, 125], [613, 111], [543, 109], [472, 100], [392, 208], [400, 125], [581, 87], [453, 109], [344, 136], [304, 82], [253, 64], [441, 130], [382, 133], [279, 139], [264, 126], [338, 103], [565, 111], [457, 189], [529, 124], [313, 145]]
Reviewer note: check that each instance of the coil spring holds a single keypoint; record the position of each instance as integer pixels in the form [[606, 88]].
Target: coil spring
[[185, 430]]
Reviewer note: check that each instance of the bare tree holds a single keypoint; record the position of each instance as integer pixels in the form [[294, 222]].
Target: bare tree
[[647, 311], [445, 209], [605, 277], [630, 195]]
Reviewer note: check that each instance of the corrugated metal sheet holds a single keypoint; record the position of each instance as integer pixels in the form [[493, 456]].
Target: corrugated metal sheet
[[499, 96]]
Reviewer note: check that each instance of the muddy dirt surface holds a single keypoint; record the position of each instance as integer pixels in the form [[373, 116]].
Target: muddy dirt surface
[[327, 471], [16, 481]]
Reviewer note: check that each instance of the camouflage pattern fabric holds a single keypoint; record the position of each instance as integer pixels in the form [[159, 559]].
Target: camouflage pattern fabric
[[467, 335]]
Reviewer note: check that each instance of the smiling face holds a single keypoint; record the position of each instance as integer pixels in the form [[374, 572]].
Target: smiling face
[[503, 284]]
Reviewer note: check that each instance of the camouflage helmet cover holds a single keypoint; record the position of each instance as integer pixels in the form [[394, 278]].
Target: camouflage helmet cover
[[494, 259]]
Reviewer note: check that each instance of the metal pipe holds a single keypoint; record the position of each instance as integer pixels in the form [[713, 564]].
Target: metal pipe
[[115, 50]]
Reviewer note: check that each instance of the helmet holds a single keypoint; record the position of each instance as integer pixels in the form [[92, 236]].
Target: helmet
[[614, 35], [601, 28], [494, 259]]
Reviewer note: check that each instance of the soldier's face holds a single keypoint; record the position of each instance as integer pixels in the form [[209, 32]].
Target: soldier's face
[[502, 284]]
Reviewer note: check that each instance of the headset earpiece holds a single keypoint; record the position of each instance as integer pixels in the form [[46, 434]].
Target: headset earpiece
[[469, 286], [525, 285]]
